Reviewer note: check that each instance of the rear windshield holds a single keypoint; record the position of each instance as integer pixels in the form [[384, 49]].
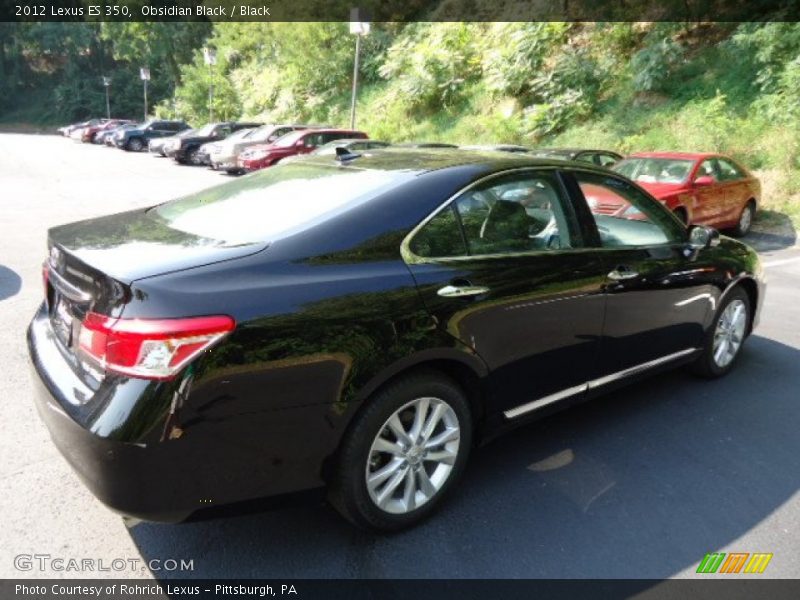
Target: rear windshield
[[276, 202]]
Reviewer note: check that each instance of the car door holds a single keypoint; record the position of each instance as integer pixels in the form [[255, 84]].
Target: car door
[[734, 185], [708, 198], [657, 297], [501, 268]]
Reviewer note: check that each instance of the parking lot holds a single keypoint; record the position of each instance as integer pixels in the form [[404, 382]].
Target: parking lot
[[639, 484]]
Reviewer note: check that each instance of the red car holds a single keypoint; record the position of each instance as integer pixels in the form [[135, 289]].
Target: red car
[[291, 144], [700, 188], [88, 133]]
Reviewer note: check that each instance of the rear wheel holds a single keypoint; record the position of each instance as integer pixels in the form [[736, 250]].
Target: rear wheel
[[725, 337], [403, 453], [745, 222], [135, 145], [193, 157]]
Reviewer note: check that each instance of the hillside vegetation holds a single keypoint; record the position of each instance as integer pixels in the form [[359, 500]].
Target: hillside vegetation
[[627, 86]]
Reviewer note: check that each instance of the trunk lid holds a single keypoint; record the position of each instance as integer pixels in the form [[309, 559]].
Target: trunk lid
[[137, 244]]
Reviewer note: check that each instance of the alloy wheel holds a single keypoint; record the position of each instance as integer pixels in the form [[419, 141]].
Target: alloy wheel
[[729, 333], [413, 455], [746, 219]]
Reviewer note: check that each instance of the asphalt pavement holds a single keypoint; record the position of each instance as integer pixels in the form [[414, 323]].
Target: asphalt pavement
[[639, 484]]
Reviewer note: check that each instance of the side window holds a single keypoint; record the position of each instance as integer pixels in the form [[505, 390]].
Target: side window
[[624, 215], [522, 212], [708, 168], [587, 158], [331, 137], [606, 160], [728, 171], [440, 237]]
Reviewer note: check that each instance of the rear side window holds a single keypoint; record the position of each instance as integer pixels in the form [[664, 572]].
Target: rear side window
[[728, 171], [440, 237]]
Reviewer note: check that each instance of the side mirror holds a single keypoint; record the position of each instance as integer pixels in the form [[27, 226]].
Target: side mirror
[[701, 237], [704, 180]]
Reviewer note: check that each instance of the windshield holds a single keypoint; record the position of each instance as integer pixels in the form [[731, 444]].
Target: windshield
[[290, 139], [276, 202], [186, 133], [262, 133], [655, 170], [240, 134], [206, 130]]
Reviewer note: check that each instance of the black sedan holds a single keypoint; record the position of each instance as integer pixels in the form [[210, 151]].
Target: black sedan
[[185, 150], [601, 158], [362, 325]]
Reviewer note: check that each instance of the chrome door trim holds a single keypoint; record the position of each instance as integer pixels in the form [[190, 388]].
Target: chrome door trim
[[528, 407], [595, 383], [638, 368]]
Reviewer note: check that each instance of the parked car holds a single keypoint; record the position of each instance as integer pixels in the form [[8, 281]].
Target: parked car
[[225, 155], [108, 137], [76, 133], [88, 133], [353, 145], [601, 158], [498, 148], [67, 130], [361, 325], [205, 151], [185, 150], [699, 188], [428, 145], [157, 145], [135, 140], [292, 144]]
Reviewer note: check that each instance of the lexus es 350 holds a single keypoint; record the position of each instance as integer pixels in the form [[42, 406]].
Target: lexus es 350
[[362, 324]]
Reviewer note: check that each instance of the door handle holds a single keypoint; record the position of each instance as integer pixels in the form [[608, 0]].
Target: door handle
[[461, 291], [622, 273]]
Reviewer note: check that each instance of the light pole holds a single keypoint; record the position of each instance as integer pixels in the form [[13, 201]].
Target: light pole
[[107, 84], [210, 58], [359, 26], [144, 74]]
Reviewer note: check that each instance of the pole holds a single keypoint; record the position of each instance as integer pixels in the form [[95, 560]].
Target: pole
[[145, 100], [355, 84], [210, 93], [108, 106]]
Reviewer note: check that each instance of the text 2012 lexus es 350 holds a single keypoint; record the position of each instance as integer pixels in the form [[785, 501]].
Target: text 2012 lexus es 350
[[361, 324]]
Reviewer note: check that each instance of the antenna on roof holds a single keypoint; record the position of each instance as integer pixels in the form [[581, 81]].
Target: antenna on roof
[[343, 154]]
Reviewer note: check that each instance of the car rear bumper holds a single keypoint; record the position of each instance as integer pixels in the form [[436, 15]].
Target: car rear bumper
[[143, 458]]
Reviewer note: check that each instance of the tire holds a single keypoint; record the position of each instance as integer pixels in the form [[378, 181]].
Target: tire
[[724, 329], [745, 222], [370, 448], [192, 157], [134, 145]]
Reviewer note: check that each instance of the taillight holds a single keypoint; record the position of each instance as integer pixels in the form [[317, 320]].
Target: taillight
[[45, 278], [149, 348]]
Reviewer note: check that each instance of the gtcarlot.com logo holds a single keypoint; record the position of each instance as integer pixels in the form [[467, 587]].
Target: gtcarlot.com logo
[[734, 562], [48, 562]]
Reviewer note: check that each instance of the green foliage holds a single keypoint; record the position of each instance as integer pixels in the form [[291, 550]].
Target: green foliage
[[653, 65]]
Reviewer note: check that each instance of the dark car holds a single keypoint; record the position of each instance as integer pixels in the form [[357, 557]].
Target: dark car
[[157, 145], [136, 139], [361, 325], [89, 133], [601, 158], [498, 148], [185, 149], [426, 145], [304, 141], [108, 137]]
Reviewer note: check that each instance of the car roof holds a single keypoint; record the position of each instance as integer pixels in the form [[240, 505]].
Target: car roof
[[680, 155], [572, 151], [424, 160]]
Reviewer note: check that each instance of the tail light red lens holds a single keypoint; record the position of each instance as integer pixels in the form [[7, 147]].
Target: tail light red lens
[[149, 348]]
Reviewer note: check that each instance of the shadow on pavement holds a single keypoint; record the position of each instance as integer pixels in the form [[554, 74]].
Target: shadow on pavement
[[781, 234], [639, 484], [10, 283]]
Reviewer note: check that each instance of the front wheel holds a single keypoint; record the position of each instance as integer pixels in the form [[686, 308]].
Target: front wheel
[[135, 145], [725, 337], [403, 452]]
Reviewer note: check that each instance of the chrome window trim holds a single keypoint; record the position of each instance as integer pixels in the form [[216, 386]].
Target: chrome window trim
[[595, 383]]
